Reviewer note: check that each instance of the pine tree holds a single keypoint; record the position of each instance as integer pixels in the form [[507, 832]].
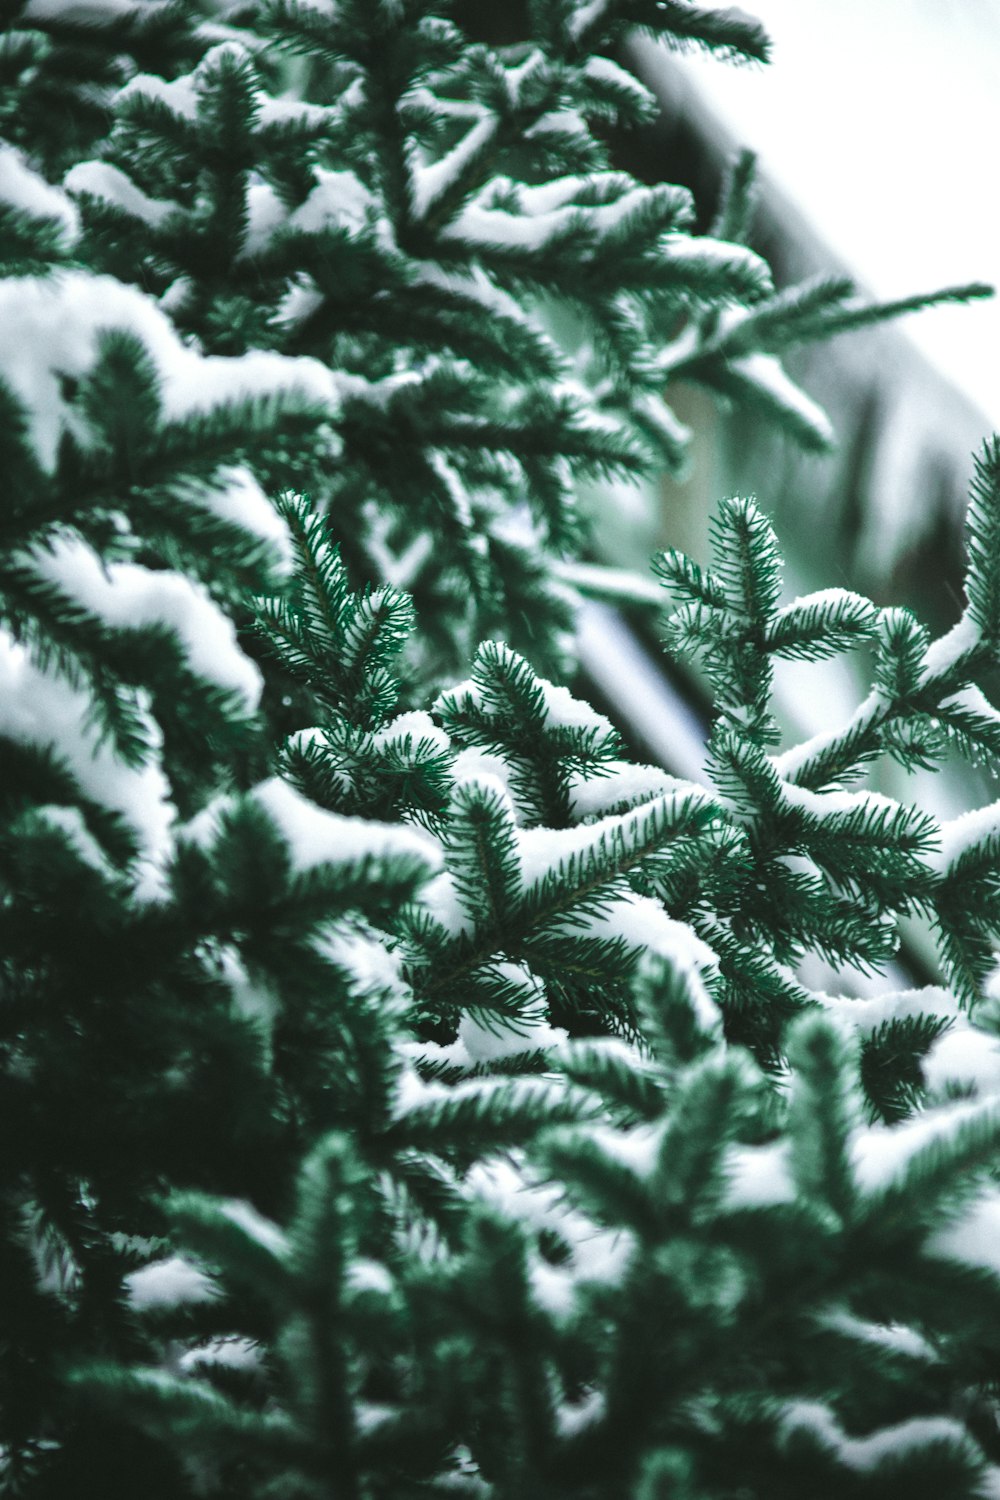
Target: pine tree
[[619, 1254], [405, 1093]]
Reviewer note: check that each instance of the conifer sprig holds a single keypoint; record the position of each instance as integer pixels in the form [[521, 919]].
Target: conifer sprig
[[800, 819], [673, 1274]]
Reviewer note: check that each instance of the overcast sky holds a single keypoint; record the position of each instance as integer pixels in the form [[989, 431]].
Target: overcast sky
[[881, 118]]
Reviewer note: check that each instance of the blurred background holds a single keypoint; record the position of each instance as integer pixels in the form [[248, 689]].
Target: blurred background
[[875, 127]]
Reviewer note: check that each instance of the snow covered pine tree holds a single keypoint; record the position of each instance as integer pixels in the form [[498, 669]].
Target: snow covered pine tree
[[406, 1102]]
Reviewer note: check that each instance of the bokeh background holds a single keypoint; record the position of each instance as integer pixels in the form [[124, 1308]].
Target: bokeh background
[[875, 128]]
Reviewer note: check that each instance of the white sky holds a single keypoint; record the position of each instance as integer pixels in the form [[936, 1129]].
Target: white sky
[[881, 120]]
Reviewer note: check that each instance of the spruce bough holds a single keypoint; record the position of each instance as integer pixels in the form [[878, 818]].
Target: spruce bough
[[406, 1094]]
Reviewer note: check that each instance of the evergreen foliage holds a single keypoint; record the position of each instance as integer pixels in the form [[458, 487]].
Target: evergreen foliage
[[405, 1094], [440, 223]]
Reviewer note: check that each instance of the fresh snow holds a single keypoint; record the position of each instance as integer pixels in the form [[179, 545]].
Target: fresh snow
[[638, 1149], [975, 701], [439, 900], [463, 1476], [262, 1231], [266, 214], [235, 495], [967, 1057], [419, 97], [24, 189], [554, 1289], [282, 110], [833, 803], [826, 599], [759, 1176], [40, 708], [316, 837], [802, 865], [176, 296], [542, 850], [791, 761], [223, 1353], [477, 1043], [125, 595], [461, 503], [483, 1044], [642, 923], [379, 393], [463, 694], [417, 726], [638, 920], [490, 783], [974, 1240], [339, 200], [599, 69], [964, 833], [300, 301], [559, 192], [506, 1184], [621, 784], [895, 1338], [252, 999], [364, 1275], [655, 413], [413, 1092], [587, 15], [430, 183], [472, 282], [882, 1153], [575, 1417], [865, 1453], [530, 65], [69, 821], [371, 1415], [51, 332], [765, 371], [943, 653], [598, 1254], [587, 415], [364, 954], [711, 251], [473, 764], [563, 711], [870, 1013], [169, 1283], [180, 96], [103, 180], [92, 12], [485, 1037], [546, 215]]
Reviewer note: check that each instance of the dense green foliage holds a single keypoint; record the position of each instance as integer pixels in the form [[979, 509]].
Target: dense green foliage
[[405, 1094]]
